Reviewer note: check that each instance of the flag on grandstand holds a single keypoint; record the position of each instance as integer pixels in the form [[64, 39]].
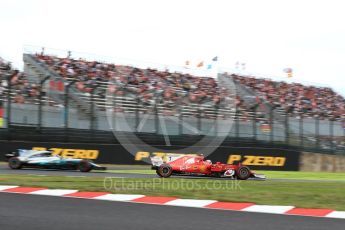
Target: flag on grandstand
[[240, 65], [288, 71], [210, 66]]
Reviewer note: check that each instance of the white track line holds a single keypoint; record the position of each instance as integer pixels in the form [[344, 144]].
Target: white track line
[[337, 214], [268, 209], [4, 187], [76, 176], [118, 197], [54, 192], [190, 203]]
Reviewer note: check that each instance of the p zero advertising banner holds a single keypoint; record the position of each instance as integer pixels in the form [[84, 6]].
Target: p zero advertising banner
[[255, 158], [259, 158], [99, 153]]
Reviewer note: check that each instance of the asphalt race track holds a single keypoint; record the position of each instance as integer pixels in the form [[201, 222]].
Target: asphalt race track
[[4, 169], [32, 212], [19, 211], [74, 173]]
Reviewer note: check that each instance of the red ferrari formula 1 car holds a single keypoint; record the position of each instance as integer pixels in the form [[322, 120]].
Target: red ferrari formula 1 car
[[198, 165]]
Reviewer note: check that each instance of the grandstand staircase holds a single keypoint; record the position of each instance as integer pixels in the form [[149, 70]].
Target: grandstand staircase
[[279, 115], [38, 70]]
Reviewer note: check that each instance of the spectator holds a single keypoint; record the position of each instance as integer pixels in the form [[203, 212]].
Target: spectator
[[296, 99]]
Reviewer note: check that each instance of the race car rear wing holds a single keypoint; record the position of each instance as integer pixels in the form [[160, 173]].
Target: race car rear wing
[[9, 155], [18, 153], [156, 162]]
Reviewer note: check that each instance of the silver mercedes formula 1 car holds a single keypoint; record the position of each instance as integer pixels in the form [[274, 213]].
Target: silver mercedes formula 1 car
[[23, 158]]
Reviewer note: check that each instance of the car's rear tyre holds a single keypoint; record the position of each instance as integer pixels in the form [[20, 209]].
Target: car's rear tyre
[[164, 170], [84, 166], [14, 163], [243, 173]]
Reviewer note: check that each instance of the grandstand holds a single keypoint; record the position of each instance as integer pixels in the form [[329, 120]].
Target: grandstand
[[22, 90], [296, 100], [77, 93], [132, 82]]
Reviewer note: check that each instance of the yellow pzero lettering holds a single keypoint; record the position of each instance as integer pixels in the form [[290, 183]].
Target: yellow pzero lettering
[[92, 154], [280, 161], [269, 161], [233, 158], [259, 160], [39, 148], [71, 153], [140, 155], [79, 153], [68, 153], [56, 151], [264, 160], [249, 160]]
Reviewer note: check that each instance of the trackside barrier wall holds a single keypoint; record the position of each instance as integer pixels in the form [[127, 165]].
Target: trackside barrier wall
[[255, 158]]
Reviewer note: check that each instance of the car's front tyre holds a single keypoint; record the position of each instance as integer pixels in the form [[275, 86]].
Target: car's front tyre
[[84, 166], [164, 170], [243, 173], [15, 163]]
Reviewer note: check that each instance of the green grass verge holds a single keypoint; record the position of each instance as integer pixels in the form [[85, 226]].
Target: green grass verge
[[133, 171], [304, 175], [269, 174], [309, 194]]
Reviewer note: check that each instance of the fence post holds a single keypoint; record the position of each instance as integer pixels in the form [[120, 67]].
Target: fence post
[[331, 133], [271, 124], [156, 117], [343, 127], [137, 100], [66, 102], [92, 109], [9, 85], [254, 122], [301, 130], [114, 112], [180, 119], [317, 131], [199, 119], [237, 124], [287, 133], [40, 102], [216, 108]]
